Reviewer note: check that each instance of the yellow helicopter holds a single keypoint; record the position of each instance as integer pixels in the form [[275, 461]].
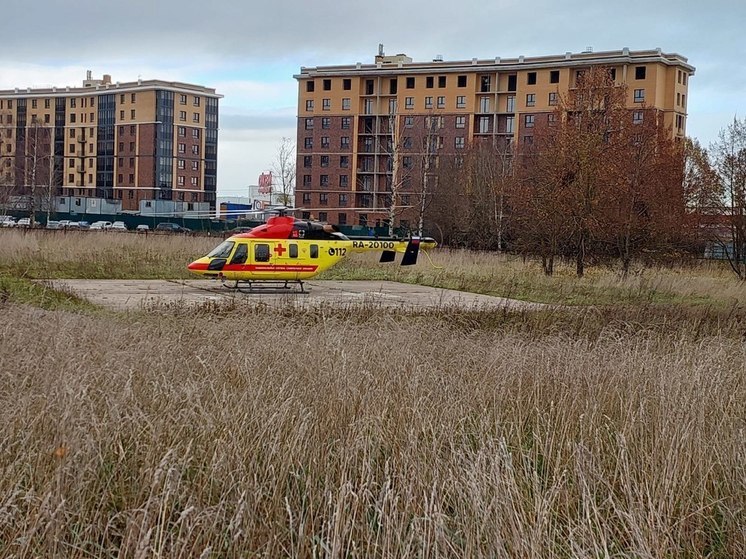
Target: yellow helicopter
[[285, 251]]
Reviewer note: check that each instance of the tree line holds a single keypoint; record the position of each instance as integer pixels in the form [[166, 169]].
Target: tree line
[[594, 180]]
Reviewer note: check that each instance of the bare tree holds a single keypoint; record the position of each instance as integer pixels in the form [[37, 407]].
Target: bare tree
[[729, 162], [283, 168]]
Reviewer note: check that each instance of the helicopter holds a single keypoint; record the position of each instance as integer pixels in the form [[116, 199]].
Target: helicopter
[[286, 251]]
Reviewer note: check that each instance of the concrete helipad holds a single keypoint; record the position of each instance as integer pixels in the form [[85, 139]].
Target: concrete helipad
[[140, 294]]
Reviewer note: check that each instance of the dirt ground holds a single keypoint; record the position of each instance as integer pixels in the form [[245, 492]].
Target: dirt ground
[[139, 294]]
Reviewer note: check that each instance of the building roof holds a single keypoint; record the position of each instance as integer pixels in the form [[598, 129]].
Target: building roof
[[103, 86], [387, 65]]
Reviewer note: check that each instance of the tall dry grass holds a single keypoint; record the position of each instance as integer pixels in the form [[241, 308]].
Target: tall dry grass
[[243, 433]]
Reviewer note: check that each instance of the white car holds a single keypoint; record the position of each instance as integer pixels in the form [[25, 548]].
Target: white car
[[24, 222], [101, 225], [7, 221], [142, 228], [118, 226]]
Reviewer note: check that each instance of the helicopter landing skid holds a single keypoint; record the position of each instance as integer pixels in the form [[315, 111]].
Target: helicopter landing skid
[[266, 286]]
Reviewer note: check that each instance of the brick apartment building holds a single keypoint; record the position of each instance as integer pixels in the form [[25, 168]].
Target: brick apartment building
[[350, 116], [131, 146]]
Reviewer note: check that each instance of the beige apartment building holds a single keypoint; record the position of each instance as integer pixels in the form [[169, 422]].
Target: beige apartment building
[[350, 116], [132, 145]]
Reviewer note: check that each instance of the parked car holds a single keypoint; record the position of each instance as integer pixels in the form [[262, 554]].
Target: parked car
[[7, 221], [142, 228], [101, 225], [24, 222], [172, 228], [83, 225], [118, 226], [51, 224]]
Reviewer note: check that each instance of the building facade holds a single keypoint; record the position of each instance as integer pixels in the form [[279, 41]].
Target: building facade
[[366, 129], [135, 146]]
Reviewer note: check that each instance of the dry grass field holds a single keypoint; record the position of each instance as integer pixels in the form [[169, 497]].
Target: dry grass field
[[232, 431]]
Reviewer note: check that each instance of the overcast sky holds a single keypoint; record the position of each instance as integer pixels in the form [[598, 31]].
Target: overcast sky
[[249, 50]]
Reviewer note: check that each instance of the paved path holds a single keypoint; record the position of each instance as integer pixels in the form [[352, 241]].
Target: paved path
[[137, 294]]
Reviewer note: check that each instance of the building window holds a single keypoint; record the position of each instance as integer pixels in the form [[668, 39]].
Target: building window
[[346, 122], [408, 121], [530, 99], [554, 76], [392, 86], [309, 105], [461, 121], [409, 103], [182, 115], [553, 98], [73, 118], [410, 82], [324, 160], [531, 78], [637, 117], [368, 107], [182, 99], [369, 87], [639, 95], [325, 141], [461, 102], [308, 143], [484, 104], [132, 114], [309, 124], [195, 181], [510, 104], [441, 81], [529, 121], [326, 104], [182, 148], [347, 84], [195, 165], [484, 84], [407, 143], [327, 84], [180, 180], [307, 180], [346, 104], [344, 142], [461, 81], [195, 117], [342, 220], [306, 197], [460, 142], [307, 160], [428, 102], [429, 82], [326, 123], [181, 164], [195, 150], [195, 133], [310, 86], [181, 131], [344, 183], [640, 72], [344, 161], [441, 102], [324, 199], [552, 118]]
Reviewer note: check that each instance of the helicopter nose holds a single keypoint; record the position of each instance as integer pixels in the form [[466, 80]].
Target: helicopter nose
[[199, 265]]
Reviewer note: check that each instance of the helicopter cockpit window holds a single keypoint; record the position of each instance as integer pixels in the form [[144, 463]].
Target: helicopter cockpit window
[[293, 252], [242, 252], [261, 253], [223, 250], [314, 251]]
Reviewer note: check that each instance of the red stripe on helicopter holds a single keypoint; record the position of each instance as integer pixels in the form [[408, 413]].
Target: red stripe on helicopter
[[268, 268]]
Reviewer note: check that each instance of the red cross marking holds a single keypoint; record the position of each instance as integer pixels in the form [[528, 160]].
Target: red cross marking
[[280, 250]]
